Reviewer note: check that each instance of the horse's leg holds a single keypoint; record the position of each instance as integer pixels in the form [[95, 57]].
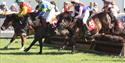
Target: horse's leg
[[33, 42], [41, 45], [23, 40], [12, 39], [72, 42], [66, 40]]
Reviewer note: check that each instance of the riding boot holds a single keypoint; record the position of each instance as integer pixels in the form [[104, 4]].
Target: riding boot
[[87, 32], [41, 46]]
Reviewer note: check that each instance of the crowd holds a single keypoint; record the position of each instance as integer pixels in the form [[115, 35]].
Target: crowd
[[5, 8], [48, 9]]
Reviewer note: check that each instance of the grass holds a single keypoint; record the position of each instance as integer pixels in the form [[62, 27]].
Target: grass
[[51, 55]]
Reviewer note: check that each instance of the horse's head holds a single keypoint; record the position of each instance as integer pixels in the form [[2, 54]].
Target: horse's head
[[8, 21]]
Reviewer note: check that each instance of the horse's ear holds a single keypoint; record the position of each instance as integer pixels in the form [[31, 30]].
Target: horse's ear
[[8, 16], [14, 14]]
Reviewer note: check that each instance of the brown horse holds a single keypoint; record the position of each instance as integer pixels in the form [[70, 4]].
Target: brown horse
[[45, 30], [115, 28], [98, 23], [20, 30]]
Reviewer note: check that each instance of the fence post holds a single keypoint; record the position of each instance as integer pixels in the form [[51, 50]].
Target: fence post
[[122, 53]]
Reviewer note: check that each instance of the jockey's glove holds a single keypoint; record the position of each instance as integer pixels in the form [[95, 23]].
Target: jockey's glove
[[20, 15]]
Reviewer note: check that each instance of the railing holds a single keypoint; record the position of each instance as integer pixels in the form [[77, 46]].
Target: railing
[[7, 33]]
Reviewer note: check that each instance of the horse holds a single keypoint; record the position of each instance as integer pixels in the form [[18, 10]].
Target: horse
[[46, 30], [37, 24], [108, 26], [98, 23], [116, 28], [19, 29]]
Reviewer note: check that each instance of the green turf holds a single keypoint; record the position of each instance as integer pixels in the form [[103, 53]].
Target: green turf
[[51, 55]]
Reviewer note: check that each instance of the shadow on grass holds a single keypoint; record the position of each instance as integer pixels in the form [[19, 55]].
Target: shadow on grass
[[35, 53], [9, 49], [13, 48], [99, 53]]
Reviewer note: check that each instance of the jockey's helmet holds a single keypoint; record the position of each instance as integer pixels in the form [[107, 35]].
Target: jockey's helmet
[[108, 1], [39, 1], [18, 1], [74, 1]]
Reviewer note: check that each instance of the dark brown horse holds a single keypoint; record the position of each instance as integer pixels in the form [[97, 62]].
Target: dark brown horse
[[98, 23], [19, 29], [108, 26], [46, 30], [38, 24], [116, 28]]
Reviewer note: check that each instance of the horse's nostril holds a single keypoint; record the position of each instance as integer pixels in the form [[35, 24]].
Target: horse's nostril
[[2, 28]]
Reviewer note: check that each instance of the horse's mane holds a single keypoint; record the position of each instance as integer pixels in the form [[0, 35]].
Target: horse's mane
[[32, 16], [97, 15], [12, 16]]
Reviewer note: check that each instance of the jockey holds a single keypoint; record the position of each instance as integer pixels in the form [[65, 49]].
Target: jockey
[[55, 6], [4, 8], [66, 7], [45, 9], [25, 8], [94, 7], [13, 8], [112, 9], [115, 9], [83, 12]]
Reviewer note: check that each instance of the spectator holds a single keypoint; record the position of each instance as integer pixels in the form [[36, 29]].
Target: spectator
[[3, 7], [56, 8], [13, 8]]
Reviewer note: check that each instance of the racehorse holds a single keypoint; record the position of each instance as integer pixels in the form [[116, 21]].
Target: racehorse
[[95, 24], [75, 28], [45, 30], [19, 29], [98, 23], [117, 27]]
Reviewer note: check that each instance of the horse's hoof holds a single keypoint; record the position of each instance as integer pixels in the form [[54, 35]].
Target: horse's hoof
[[26, 50], [5, 48], [72, 52], [39, 52], [22, 49], [60, 49]]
